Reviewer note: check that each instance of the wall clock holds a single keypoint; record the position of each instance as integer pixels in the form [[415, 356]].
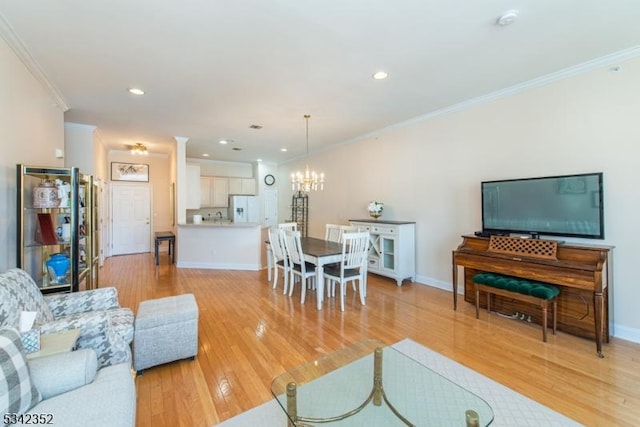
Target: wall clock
[[269, 179]]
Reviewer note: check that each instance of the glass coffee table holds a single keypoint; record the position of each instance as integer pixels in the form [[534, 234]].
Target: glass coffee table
[[370, 384]]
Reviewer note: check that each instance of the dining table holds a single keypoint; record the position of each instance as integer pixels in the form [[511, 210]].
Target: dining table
[[320, 253]]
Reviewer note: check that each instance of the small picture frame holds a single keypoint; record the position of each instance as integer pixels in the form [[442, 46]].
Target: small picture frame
[[137, 172]]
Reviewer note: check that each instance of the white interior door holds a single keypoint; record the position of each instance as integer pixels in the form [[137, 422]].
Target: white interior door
[[270, 198], [131, 219]]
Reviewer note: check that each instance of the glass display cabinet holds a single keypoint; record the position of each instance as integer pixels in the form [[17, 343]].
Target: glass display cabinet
[[55, 227], [300, 212], [94, 253]]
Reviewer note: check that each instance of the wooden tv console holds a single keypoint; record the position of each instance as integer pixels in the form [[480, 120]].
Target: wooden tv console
[[583, 273]]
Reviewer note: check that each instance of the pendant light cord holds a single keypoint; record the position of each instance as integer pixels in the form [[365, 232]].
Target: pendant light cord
[[307, 117]]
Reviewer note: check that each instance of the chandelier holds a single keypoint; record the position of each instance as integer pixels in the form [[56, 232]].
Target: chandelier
[[139, 150], [307, 180]]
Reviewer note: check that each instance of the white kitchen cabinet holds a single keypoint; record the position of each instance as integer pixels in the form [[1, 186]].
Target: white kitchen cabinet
[[392, 248], [214, 192], [205, 191], [242, 186], [219, 192], [193, 186]]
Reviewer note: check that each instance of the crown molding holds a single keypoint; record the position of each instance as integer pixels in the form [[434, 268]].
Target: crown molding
[[600, 62], [565, 73], [18, 47]]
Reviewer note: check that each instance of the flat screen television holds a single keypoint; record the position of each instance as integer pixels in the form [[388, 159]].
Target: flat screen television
[[567, 205]]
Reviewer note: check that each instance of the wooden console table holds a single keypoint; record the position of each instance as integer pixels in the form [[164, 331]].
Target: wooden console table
[[168, 236], [583, 273]]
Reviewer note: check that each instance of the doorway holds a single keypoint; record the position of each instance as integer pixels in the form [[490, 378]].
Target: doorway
[[131, 219], [270, 199]]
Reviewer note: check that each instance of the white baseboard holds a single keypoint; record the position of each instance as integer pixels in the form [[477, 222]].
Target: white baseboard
[[626, 333], [434, 283]]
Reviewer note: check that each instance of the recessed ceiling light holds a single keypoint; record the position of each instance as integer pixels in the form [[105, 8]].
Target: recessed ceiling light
[[258, 160], [380, 75], [225, 141], [284, 150], [136, 91], [508, 18], [205, 155]]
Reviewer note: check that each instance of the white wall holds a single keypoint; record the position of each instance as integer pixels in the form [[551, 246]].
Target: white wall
[[220, 168], [31, 128], [79, 147], [84, 149], [430, 171]]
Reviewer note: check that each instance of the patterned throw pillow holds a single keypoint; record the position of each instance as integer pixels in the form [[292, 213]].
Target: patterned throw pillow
[[17, 393]]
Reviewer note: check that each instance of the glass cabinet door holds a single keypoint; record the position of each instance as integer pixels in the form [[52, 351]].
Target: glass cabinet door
[[388, 255], [94, 255], [85, 191], [53, 227]]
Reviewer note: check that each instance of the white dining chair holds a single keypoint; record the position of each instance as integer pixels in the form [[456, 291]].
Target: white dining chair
[[280, 258], [355, 247], [298, 267], [293, 226], [348, 229], [357, 229], [332, 232]]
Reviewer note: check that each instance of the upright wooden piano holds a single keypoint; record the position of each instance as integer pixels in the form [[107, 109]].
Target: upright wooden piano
[[582, 272]]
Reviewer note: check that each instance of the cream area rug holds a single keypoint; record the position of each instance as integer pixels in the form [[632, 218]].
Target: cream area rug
[[509, 408]]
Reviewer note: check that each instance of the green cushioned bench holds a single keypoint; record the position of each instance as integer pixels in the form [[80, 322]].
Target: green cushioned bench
[[518, 289]]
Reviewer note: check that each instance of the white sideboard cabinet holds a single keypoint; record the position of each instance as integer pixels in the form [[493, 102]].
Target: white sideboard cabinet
[[392, 248]]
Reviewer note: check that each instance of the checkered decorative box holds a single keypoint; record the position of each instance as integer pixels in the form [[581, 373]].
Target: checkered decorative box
[[31, 340]]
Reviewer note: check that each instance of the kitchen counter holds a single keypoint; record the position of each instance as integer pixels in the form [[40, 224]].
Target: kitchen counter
[[220, 224], [223, 246]]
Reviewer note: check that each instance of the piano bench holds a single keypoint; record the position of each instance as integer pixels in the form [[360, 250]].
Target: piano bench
[[540, 294]]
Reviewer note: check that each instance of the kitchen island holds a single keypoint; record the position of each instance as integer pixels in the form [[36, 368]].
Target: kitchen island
[[219, 245]]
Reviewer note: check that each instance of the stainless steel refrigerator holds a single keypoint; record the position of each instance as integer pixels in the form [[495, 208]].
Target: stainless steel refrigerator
[[244, 209]]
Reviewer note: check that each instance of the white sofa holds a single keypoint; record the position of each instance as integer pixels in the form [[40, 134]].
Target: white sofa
[[64, 389], [76, 393], [105, 327]]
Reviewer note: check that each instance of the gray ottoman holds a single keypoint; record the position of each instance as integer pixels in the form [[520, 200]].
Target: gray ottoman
[[165, 329]]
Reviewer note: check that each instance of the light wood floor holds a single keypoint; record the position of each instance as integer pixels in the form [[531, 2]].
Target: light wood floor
[[249, 333]]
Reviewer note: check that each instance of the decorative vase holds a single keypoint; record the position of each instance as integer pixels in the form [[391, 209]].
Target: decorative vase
[[58, 265], [375, 209], [45, 195]]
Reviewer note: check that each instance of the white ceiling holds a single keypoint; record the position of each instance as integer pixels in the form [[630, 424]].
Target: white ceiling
[[212, 68]]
